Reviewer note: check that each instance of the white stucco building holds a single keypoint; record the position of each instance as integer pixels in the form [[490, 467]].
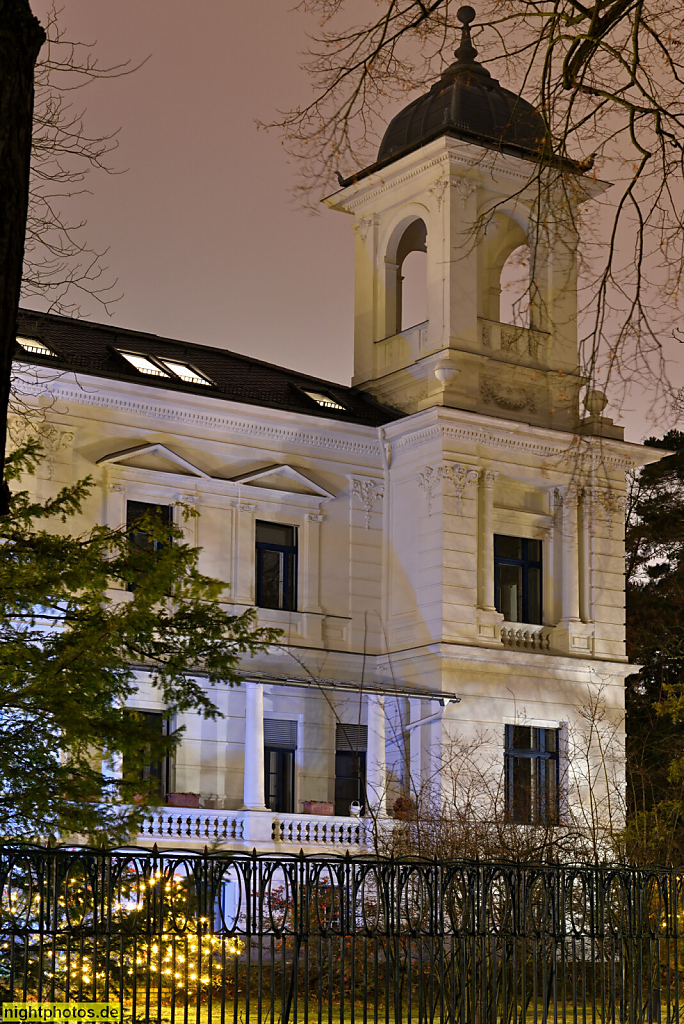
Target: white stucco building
[[441, 543]]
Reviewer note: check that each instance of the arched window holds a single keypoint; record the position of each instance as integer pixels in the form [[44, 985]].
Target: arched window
[[408, 300], [514, 301], [414, 289]]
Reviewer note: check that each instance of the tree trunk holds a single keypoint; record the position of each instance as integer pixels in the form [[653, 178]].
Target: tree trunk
[[21, 37]]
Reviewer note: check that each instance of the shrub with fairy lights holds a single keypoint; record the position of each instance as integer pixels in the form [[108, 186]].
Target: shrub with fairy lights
[[157, 940]]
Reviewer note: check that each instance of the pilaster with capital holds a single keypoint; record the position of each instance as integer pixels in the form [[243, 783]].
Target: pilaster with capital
[[486, 539], [244, 553]]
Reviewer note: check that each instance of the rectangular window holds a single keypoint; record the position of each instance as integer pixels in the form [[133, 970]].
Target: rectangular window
[[139, 537], [276, 566], [280, 744], [154, 773], [518, 578], [531, 775], [350, 767], [137, 510]]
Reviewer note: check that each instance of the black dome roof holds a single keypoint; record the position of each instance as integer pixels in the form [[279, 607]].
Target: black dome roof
[[469, 103]]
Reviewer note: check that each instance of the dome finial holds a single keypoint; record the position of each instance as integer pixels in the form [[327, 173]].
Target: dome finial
[[466, 52]]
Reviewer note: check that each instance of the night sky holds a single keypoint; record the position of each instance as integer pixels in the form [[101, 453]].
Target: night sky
[[202, 231]]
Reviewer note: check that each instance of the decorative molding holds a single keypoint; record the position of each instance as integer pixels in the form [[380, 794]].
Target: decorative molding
[[315, 517], [261, 477], [367, 490], [247, 506], [438, 190], [117, 488], [507, 396], [488, 477], [149, 408], [494, 438], [51, 438], [363, 226], [160, 451], [464, 188], [460, 477]]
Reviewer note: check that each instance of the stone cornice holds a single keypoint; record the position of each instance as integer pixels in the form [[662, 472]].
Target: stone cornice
[[442, 153], [102, 395], [426, 426]]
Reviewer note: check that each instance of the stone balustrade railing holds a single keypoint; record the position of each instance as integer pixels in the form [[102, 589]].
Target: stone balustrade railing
[[525, 637], [263, 829]]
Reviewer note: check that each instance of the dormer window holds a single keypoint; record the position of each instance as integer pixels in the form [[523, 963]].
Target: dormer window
[[38, 348], [143, 364], [323, 399], [186, 372]]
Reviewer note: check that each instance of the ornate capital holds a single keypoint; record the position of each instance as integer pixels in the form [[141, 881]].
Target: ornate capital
[[367, 491], [315, 517], [457, 476], [247, 506], [488, 477]]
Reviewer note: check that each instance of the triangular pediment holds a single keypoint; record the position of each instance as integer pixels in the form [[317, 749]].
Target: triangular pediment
[[156, 458], [283, 478]]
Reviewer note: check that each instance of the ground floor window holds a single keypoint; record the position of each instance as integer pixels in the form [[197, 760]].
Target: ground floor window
[[350, 767], [280, 744], [532, 775], [154, 773]]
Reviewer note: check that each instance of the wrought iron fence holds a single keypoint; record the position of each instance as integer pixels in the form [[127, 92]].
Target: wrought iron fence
[[175, 936]]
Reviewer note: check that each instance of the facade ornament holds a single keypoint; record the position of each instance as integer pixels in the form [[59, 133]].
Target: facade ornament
[[510, 340], [117, 488], [315, 517], [464, 188], [367, 491], [363, 226], [458, 476], [507, 396], [486, 337], [51, 438], [438, 190], [247, 506], [489, 477]]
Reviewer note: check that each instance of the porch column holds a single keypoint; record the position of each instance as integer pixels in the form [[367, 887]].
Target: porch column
[[254, 748], [570, 556], [416, 749], [376, 776]]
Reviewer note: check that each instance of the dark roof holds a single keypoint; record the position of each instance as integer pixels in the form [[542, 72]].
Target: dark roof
[[89, 348], [466, 103]]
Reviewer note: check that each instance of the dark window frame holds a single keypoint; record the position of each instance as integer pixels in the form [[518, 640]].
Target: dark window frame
[[283, 800], [532, 617], [290, 580], [159, 770], [543, 761]]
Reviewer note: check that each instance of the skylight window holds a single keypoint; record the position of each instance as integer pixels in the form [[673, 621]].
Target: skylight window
[[143, 364], [186, 372], [325, 401], [38, 347]]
